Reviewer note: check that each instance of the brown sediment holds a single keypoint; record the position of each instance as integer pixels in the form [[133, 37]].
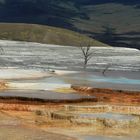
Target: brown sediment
[[3, 85], [25, 100], [33, 105], [30, 107], [110, 95], [28, 115]]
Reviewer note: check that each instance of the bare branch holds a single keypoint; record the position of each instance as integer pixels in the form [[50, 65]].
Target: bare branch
[[86, 51], [1, 50], [106, 69]]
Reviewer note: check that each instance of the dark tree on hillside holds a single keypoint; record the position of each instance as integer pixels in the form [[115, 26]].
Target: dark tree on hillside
[[109, 34]]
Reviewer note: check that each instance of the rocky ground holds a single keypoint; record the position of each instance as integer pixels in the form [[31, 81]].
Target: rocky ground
[[14, 128], [29, 79], [110, 95], [31, 121]]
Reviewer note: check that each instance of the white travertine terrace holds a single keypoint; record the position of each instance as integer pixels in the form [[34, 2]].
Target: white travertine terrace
[[36, 55]]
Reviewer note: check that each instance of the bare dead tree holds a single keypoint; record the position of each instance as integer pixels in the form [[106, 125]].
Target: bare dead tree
[[1, 50], [106, 69], [86, 52], [1, 53]]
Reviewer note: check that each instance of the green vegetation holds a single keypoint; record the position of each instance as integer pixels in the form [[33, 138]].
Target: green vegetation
[[123, 18], [43, 34], [112, 23]]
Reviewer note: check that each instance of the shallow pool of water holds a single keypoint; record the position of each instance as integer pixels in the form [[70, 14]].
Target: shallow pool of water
[[80, 77], [98, 138], [107, 116], [89, 79], [96, 78], [110, 137], [46, 95]]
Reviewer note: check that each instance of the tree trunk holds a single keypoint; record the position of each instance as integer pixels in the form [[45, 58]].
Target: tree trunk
[[85, 63]]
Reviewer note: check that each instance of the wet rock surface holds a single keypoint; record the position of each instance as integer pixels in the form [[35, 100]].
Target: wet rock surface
[[34, 122], [25, 115], [110, 95], [12, 128], [23, 133], [44, 96], [97, 115]]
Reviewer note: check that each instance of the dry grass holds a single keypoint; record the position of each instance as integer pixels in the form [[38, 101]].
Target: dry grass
[[43, 34], [65, 90]]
